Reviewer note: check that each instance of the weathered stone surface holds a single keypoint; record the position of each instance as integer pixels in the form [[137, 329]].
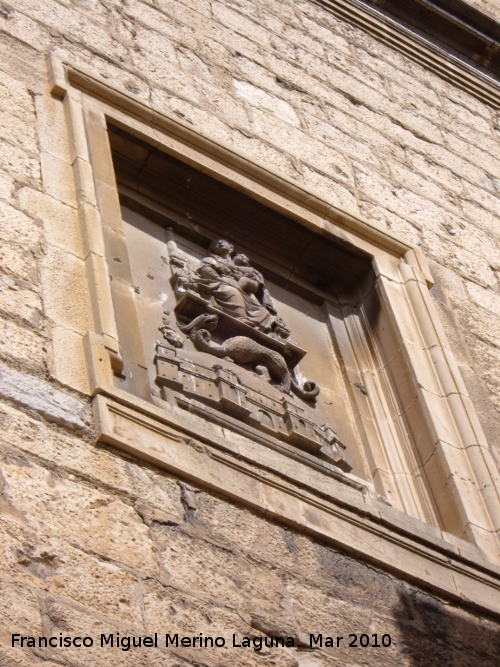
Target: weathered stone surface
[[60, 222], [93, 520], [56, 568], [21, 304], [91, 541], [12, 657], [67, 362], [24, 347], [142, 485], [38, 395], [72, 621], [17, 227], [18, 262], [65, 290], [19, 608]]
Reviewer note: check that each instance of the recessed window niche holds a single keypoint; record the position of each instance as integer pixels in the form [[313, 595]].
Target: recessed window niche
[[324, 291], [255, 339]]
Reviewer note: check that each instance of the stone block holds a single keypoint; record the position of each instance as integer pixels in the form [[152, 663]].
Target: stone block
[[349, 145], [217, 128], [482, 325], [484, 198], [316, 612], [125, 79], [76, 457], [18, 131], [314, 93], [263, 153], [236, 42], [295, 556], [477, 136], [467, 263], [20, 303], [152, 18], [227, 578], [241, 24], [58, 569], [51, 127], [16, 99], [329, 189], [91, 226], [242, 7], [481, 217], [19, 26], [77, 139], [474, 153], [77, 26], [442, 195], [65, 290], [22, 62], [322, 32], [19, 610], [263, 100], [17, 227], [485, 298], [19, 164], [47, 400], [15, 657], [58, 179], [69, 620], [174, 612], [302, 146], [397, 225], [94, 522], [84, 174], [290, 31], [60, 222], [18, 262], [22, 346], [464, 99], [68, 364], [343, 115], [6, 186], [222, 103]]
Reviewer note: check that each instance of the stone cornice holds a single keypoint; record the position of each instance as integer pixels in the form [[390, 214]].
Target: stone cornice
[[445, 36], [455, 23]]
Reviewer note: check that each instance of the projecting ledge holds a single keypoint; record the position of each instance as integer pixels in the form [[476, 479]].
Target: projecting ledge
[[329, 505]]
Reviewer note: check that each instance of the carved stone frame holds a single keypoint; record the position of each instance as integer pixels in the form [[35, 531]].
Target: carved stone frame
[[444, 429]]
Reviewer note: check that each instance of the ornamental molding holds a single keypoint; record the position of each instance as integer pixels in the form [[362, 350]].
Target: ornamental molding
[[424, 51]]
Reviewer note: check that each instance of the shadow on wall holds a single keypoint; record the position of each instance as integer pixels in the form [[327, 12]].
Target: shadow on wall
[[433, 634]]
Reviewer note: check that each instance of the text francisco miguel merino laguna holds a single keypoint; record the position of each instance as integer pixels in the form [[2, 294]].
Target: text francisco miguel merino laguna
[[255, 642]]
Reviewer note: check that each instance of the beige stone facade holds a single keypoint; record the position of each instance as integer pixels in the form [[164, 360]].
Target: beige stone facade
[[127, 506]]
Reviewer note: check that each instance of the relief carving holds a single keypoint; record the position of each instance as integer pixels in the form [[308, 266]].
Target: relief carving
[[169, 333], [224, 308], [225, 286]]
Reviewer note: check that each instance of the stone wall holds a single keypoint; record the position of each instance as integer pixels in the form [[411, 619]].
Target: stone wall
[[491, 7], [93, 542]]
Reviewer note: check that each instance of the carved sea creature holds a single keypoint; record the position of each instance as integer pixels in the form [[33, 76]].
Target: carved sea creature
[[244, 350]]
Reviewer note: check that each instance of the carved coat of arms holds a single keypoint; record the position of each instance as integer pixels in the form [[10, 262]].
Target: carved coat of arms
[[224, 307]]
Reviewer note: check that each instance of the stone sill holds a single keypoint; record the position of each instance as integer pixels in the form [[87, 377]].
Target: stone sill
[[345, 513]]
